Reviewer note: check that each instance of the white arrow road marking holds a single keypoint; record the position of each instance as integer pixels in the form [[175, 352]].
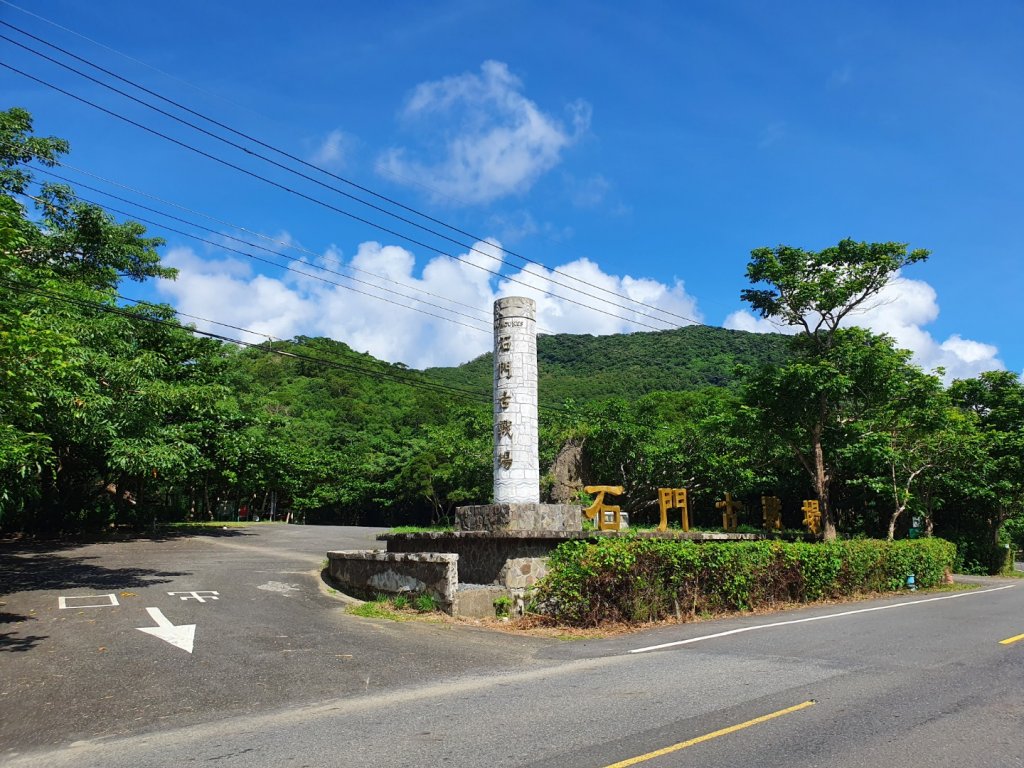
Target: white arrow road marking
[[181, 636]]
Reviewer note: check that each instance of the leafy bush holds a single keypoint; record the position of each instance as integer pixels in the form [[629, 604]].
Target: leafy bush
[[1013, 529], [637, 580], [425, 604]]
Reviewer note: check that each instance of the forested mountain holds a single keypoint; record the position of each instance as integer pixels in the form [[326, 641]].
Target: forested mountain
[[583, 367]]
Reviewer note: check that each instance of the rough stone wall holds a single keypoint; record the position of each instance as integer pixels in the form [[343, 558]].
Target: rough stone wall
[[364, 573], [519, 517], [483, 558], [522, 572]]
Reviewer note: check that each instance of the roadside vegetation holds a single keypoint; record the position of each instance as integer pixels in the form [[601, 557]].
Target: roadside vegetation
[[115, 414], [396, 607], [635, 581]]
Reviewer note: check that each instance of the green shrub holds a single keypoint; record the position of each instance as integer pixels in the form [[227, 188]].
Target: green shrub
[[637, 580], [425, 603], [1013, 530], [400, 602], [503, 606]]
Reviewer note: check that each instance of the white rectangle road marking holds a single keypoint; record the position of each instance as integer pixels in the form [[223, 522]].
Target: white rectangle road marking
[[68, 601]]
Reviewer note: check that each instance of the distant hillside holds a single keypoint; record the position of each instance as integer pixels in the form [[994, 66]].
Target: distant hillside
[[586, 367]]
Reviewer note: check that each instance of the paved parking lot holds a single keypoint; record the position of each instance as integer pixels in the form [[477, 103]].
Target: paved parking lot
[[116, 638]]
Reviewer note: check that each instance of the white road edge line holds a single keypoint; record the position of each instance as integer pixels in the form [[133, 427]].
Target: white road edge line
[[816, 618]]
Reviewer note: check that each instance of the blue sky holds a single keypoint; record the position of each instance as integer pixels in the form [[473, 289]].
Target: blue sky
[[644, 147]]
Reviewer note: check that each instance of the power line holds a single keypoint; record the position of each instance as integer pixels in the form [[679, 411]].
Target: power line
[[263, 248], [328, 173], [281, 266], [208, 217], [53, 23], [317, 200]]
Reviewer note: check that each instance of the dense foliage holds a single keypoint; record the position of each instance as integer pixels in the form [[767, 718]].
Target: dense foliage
[[111, 414], [648, 579], [582, 368]]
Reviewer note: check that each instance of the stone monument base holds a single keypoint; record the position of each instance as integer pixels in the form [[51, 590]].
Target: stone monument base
[[519, 517]]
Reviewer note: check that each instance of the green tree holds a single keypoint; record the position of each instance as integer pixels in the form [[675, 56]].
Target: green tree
[[996, 401], [816, 291], [666, 439], [901, 431], [100, 403]]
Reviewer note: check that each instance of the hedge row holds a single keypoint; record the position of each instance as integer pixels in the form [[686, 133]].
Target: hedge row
[[638, 580]]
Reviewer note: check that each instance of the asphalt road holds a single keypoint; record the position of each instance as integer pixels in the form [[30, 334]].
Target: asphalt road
[[280, 676]]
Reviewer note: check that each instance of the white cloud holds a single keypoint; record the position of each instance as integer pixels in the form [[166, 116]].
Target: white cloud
[[333, 151], [496, 142], [901, 310], [590, 192], [227, 291], [516, 225], [283, 307], [742, 320], [586, 300]]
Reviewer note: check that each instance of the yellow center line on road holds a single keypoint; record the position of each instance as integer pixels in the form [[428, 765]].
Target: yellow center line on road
[[1011, 640], [710, 736]]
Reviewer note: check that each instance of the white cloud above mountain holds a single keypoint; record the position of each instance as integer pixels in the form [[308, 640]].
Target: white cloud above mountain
[[424, 330], [902, 310], [481, 138], [439, 314]]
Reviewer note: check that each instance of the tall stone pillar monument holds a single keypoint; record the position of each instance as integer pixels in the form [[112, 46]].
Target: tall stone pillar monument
[[516, 470], [516, 504]]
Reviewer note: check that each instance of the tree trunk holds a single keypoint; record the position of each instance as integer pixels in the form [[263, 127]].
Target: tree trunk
[[892, 523], [821, 483]]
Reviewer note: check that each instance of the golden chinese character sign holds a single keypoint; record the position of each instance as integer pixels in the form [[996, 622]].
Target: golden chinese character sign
[[730, 512], [771, 512], [598, 508], [812, 516], [674, 498]]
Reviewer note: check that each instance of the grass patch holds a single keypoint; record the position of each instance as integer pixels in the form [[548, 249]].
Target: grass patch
[[397, 607], [422, 529], [376, 610]]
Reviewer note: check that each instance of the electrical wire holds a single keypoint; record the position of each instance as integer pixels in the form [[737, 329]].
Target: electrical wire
[[317, 200], [480, 315], [290, 245], [276, 264], [330, 174], [181, 80]]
